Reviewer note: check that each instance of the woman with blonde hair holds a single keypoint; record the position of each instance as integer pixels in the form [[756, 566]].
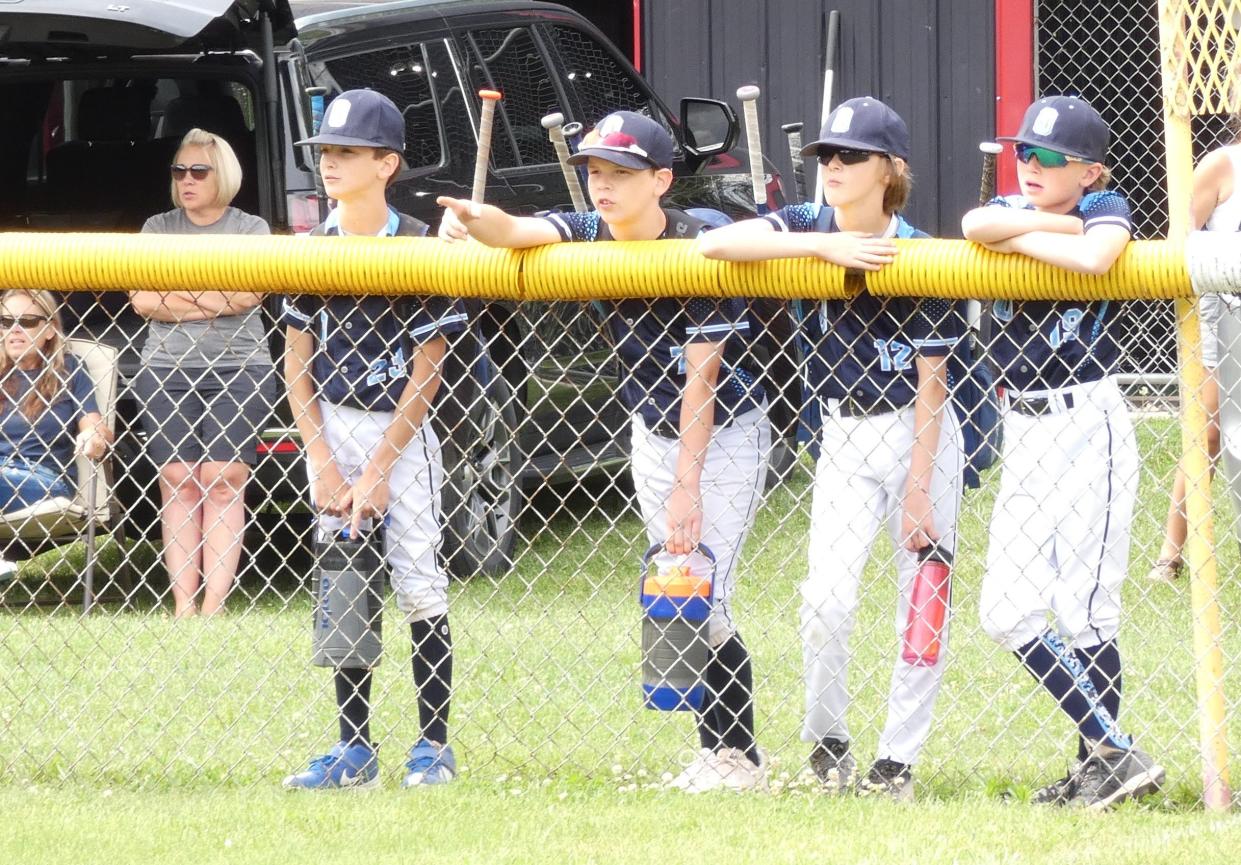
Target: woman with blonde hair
[[206, 385], [47, 406]]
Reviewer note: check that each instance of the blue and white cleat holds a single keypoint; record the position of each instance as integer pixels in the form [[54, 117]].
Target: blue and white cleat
[[429, 763], [345, 767]]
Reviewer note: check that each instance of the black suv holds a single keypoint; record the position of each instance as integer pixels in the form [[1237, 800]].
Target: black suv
[[94, 98]]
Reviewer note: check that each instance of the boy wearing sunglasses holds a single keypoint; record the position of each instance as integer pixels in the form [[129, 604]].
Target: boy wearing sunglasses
[[362, 373], [1060, 529], [891, 449]]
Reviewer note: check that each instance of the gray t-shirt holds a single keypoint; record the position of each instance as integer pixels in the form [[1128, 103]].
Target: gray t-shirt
[[228, 341]]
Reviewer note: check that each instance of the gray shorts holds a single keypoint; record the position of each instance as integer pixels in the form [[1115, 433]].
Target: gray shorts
[[205, 415], [1208, 316]]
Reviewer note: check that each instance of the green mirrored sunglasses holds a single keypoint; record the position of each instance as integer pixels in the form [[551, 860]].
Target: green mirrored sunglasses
[[1046, 157]]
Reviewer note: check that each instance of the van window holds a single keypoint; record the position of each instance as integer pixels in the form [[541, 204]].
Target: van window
[[409, 77], [599, 83], [510, 61], [93, 153]]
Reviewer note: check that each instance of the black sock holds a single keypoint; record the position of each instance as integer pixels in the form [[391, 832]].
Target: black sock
[[353, 699], [1059, 671], [1102, 663], [708, 722], [730, 679], [432, 661]]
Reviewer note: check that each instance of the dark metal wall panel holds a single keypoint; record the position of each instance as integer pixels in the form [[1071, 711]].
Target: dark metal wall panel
[[966, 105], [932, 60]]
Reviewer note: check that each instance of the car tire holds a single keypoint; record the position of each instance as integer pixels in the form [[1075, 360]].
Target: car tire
[[136, 488], [482, 494], [781, 461]]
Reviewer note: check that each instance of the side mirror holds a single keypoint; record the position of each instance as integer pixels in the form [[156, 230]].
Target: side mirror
[[710, 126]]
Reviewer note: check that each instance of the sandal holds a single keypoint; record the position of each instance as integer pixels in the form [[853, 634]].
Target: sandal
[[1165, 571]]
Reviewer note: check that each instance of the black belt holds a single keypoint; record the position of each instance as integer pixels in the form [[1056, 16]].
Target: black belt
[[853, 407], [1037, 406]]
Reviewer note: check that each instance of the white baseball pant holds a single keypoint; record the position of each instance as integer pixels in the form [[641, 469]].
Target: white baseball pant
[[413, 532], [731, 487], [859, 487], [1060, 529]]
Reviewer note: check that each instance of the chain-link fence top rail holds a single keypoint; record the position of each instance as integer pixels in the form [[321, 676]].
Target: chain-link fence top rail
[[543, 528]]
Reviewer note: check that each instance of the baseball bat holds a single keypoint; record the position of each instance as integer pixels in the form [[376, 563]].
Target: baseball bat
[[792, 131], [485, 122], [573, 137], [990, 155], [986, 191], [554, 124], [749, 105], [830, 38]]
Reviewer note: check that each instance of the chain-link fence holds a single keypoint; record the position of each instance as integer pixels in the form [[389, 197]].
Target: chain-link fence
[[544, 525]]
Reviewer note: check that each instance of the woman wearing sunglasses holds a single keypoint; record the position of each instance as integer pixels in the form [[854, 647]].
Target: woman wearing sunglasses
[[47, 406], [206, 385], [891, 448], [1059, 545]]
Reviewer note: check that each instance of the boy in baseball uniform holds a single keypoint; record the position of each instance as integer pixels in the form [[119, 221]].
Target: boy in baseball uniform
[[362, 373], [891, 452], [1060, 529], [700, 434]]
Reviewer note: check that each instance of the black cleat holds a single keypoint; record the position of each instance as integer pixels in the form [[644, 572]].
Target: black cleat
[[833, 765], [888, 778], [1111, 775]]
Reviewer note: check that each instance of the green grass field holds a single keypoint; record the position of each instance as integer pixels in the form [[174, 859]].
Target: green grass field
[[132, 737]]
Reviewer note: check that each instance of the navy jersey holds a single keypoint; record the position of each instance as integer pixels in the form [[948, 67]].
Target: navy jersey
[[50, 440], [364, 345], [868, 344], [1042, 344], [651, 335]]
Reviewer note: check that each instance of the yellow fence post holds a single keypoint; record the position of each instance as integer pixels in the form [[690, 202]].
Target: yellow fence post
[[1175, 17]]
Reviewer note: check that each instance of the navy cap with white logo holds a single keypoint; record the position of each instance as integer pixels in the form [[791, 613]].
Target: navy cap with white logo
[[863, 123], [361, 118], [629, 139], [1065, 124]]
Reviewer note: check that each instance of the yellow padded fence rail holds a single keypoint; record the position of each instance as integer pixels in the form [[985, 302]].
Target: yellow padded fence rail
[[360, 265]]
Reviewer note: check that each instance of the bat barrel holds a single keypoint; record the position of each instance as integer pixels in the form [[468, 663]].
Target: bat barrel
[[749, 103], [485, 123]]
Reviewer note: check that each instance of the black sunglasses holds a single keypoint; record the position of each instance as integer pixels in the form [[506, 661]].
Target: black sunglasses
[[198, 171], [25, 322], [847, 155]]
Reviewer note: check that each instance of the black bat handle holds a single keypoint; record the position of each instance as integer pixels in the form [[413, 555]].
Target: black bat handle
[[990, 156], [793, 132]]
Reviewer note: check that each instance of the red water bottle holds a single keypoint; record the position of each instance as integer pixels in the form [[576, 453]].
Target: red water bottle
[[928, 608]]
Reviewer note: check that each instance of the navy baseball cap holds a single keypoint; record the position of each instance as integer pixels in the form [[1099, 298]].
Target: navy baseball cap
[[863, 123], [629, 139], [361, 118], [1065, 124]]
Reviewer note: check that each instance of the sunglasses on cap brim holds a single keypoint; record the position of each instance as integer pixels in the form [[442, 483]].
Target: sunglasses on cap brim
[[1046, 157], [848, 155], [198, 171]]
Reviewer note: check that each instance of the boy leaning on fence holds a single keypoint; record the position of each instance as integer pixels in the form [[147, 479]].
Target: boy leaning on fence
[[891, 446], [362, 373], [700, 429], [1059, 542]]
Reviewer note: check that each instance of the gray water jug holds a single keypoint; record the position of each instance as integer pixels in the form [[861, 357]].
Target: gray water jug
[[349, 598]]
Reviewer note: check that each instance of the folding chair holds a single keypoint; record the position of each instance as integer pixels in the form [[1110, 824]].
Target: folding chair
[[92, 506]]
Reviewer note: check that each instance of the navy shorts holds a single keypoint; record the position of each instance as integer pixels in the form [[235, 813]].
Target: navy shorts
[[205, 415]]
